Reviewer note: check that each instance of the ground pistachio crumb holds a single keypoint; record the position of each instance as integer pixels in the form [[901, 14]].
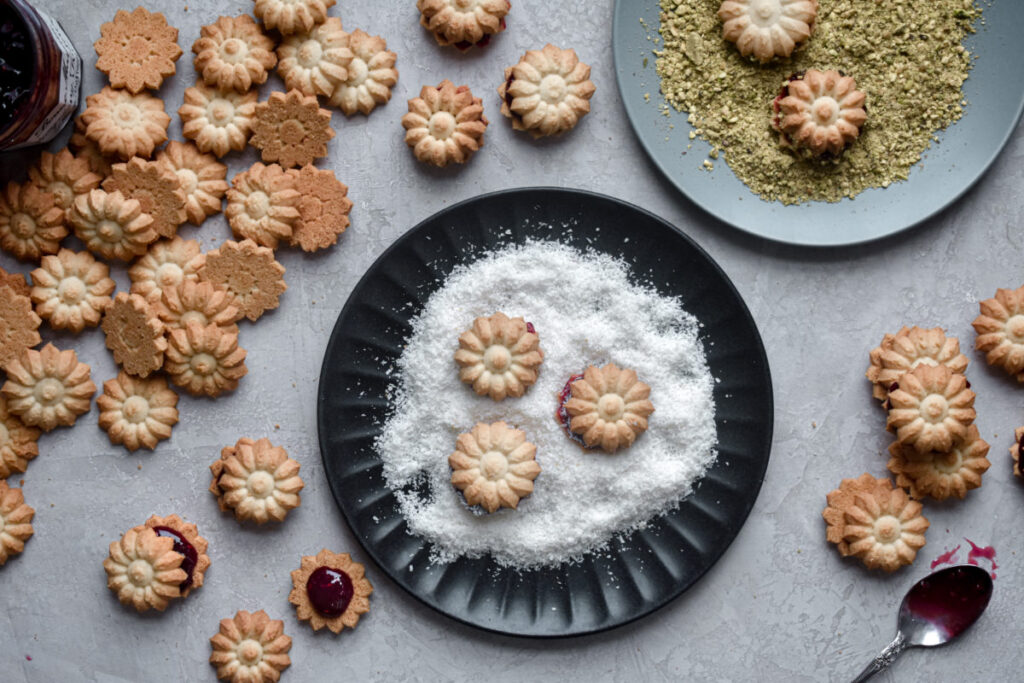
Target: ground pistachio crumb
[[906, 55]]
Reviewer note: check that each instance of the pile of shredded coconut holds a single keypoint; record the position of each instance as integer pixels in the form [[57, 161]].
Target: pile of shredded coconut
[[586, 311]]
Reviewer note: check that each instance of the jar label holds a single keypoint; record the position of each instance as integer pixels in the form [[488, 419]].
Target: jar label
[[70, 86]]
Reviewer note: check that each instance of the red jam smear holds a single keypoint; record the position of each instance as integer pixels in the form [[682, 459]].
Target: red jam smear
[[464, 45], [16, 64], [949, 600], [330, 591], [184, 548], [530, 328], [562, 415], [948, 557], [986, 553]]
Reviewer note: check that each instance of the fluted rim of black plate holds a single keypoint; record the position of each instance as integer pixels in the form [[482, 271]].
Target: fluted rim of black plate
[[572, 589]]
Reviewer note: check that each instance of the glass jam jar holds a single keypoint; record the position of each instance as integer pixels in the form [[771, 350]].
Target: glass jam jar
[[40, 76]]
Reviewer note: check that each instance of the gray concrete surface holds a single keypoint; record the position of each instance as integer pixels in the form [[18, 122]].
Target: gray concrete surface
[[779, 606]]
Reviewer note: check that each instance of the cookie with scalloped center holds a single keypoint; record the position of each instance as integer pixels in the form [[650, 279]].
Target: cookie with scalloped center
[[371, 75], [134, 334], [156, 188], [263, 205], [71, 290], [48, 388], [31, 223], [445, 124], [323, 207], [249, 272], [291, 129], [218, 121], [233, 53], [547, 92], [125, 125], [137, 50], [203, 179], [499, 356]]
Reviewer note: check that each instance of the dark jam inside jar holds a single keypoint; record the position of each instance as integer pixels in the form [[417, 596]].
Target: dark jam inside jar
[[186, 549], [562, 415], [330, 591], [16, 64]]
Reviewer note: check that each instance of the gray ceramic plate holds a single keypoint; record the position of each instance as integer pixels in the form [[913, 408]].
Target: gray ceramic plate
[[995, 90]]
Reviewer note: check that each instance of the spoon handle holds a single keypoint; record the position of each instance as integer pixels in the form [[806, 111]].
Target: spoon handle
[[883, 660]]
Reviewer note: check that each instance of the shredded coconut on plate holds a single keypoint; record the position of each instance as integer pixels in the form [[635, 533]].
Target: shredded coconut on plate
[[586, 312]]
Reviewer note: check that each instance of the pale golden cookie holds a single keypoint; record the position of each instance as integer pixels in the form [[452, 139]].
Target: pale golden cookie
[[941, 475], [18, 442], [134, 334], [609, 407], [218, 121], [15, 522], [87, 149], [156, 188], [166, 264], [184, 534], [202, 178], [257, 481], [144, 570], [291, 129], [1015, 451], [911, 346], [494, 466], [48, 388], [71, 290], [868, 519], [291, 16], [125, 125], [1000, 329], [330, 589], [445, 124], [137, 50], [263, 205], [315, 62], [250, 648], [499, 356], [323, 208], [931, 409], [820, 113], [137, 413], [767, 29], [547, 92], [31, 223], [19, 325], [463, 23], [16, 281], [111, 225], [249, 272], [199, 302], [233, 53], [205, 360], [63, 175], [371, 75]]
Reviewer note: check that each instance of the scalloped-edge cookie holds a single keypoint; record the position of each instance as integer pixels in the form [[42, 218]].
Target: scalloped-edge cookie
[[292, 16], [463, 24], [323, 207], [445, 124], [19, 325], [494, 466], [137, 50], [157, 189], [262, 205], [204, 360], [941, 475], [257, 481], [125, 125], [315, 62], [291, 129], [64, 175], [217, 121], [330, 590], [608, 407], [250, 648], [820, 113], [15, 522], [144, 570], [766, 30], [911, 346], [71, 290], [499, 356], [371, 75], [19, 443], [48, 388], [134, 334], [166, 264], [930, 409], [198, 302], [233, 53], [1000, 329], [31, 223], [112, 225], [547, 92], [189, 544], [137, 413], [203, 179], [250, 272]]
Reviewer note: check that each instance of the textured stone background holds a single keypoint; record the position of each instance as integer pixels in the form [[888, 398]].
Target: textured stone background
[[779, 606]]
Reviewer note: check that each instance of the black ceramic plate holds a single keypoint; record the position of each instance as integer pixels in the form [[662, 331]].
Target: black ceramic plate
[[640, 572]]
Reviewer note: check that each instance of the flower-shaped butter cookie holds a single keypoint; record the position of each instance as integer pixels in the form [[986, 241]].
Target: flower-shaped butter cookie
[[445, 124], [198, 302], [134, 334], [463, 23], [494, 466], [608, 407], [202, 178], [371, 75], [71, 290], [331, 590], [166, 264], [232, 53], [820, 113], [137, 50], [218, 121], [870, 520], [257, 481], [314, 63], [205, 360], [15, 522], [125, 125], [31, 223], [19, 325], [323, 208], [499, 356], [250, 648], [931, 409], [63, 175], [18, 442], [911, 346], [547, 92], [137, 413], [48, 388], [291, 129], [111, 225], [262, 205], [292, 16], [767, 29], [249, 272], [188, 543], [1000, 329], [941, 475], [156, 187], [144, 570]]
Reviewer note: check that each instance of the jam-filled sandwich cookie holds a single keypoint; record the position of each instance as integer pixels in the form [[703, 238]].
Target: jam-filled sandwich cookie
[[445, 124], [547, 92], [499, 356], [494, 466], [911, 346], [330, 590], [606, 407], [931, 409], [819, 113], [250, 648], [940, 475]]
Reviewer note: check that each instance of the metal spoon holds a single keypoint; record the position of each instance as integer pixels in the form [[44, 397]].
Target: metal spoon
[[936, 610]]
